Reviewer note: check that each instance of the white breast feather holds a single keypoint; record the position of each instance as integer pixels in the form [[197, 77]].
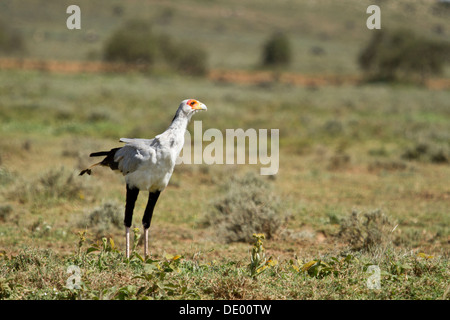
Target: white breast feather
[[156, 162]]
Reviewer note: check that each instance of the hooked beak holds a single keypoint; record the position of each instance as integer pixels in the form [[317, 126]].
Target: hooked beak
[[200, 106]]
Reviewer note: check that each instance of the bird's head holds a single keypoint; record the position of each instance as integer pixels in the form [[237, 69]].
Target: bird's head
[[191, 106]]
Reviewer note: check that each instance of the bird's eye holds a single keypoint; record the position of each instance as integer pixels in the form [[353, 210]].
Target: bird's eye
[[192, 103]]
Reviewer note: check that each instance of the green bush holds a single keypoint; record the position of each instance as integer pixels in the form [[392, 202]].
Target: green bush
[[132, 43], [248, 206], [183, 57], [191, 60], [277, 50], [402, 55], [136, 43]]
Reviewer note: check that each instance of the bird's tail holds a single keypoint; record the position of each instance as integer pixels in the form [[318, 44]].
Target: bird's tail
[[107, 162], [89, 170], [99, 154]]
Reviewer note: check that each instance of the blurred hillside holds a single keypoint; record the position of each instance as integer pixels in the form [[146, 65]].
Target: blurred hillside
[[326, 35]]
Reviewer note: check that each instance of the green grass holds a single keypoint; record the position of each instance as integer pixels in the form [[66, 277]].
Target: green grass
[[102, 272]]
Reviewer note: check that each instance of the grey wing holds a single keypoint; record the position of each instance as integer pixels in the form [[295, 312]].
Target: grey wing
[[136, 141], [133, 154]]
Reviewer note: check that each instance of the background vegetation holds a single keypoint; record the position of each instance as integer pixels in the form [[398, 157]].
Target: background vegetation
[[401, 55], [364, 166]]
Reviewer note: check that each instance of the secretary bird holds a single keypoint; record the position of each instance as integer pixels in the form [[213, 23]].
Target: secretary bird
[[147, 165]]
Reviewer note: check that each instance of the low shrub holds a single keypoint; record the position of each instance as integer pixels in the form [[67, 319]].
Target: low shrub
[[248, 206], [6, 176], [366, 231], [5, 212], [103, 218], [55, 184], [427, 152]]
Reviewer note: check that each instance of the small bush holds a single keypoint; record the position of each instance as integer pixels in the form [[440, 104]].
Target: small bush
[[10, 41], [248, 206], [191, 60], [338, 161], [6, 176], [5, 211], [277, 50], [55, 184], [60, 184], [427, 152], [387, 166], [402, 55], [366, 231], [103, 218]]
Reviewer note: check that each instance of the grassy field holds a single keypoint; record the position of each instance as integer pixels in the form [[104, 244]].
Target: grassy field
[[341, 150], [363, 177]]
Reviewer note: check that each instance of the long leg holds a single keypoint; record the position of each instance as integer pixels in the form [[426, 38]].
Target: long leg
[[132, 194], [146, 220]]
